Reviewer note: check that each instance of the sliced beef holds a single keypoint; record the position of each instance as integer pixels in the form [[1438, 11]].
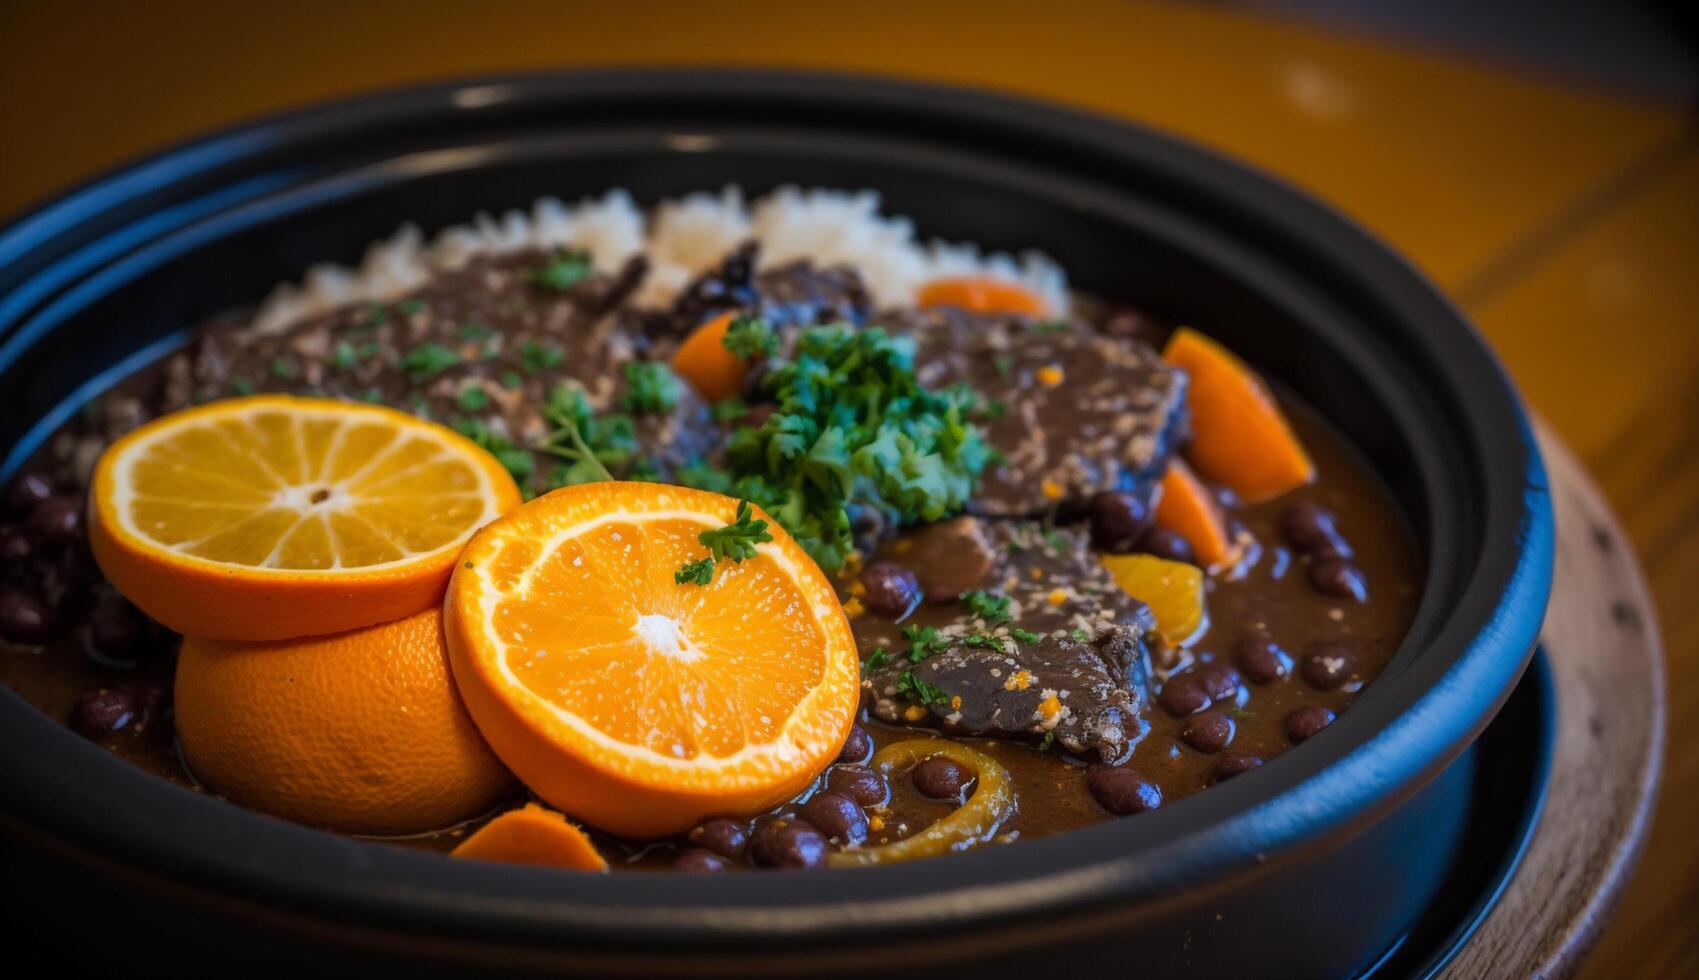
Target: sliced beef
[[795, 294], [483, 345], [1065, 659], [1072, 410]]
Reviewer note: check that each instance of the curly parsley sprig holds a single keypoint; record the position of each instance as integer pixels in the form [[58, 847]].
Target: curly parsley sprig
[[734, 542]]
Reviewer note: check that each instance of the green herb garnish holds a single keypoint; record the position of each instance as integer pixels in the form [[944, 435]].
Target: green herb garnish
[[426, 361], [878, 658], [923, 642], [734, 542], [853, 423], [285, 368], [536, 356], [562, 272], [651, 388], [473, 330], [408, 307], [992, 608], [241, 385], [1048, 740], [750, 337], [590, 444], [729, 410], [1025, 636], [472, 398], [515, 459], [920, 690]]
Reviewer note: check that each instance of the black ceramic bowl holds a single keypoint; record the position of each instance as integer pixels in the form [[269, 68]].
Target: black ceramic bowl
[[1311, 866]]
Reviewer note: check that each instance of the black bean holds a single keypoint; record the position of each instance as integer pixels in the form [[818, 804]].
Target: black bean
[[1328, 664], [1218, 680], [1209, 732], [1232, 764], [942, 778], [1261, 659], [118, 629], [151, 699], [1307, 526], [29, 491], [14, 546], [859, 783], [785, 842], [838, 817], [892, 590], [1339, 579], [1302, 725], [1163, 543], [724, 837], [24, 618], [57, 522], [1122, 791], [103, 713], [1183, 695], [1118, 520], [698, 861], [858, 747]]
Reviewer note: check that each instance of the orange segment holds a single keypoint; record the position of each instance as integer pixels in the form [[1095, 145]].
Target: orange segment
[[1239, 435], [980, 295], [1172, 589], [533, 835], [271, 517], [361, 732], [1186, 508], [702, 360], [633, 702]]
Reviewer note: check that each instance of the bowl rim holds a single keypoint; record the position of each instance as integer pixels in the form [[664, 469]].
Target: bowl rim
[[1413, 725]]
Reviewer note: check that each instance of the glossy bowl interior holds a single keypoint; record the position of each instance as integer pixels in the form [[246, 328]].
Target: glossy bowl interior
[[112, 274]]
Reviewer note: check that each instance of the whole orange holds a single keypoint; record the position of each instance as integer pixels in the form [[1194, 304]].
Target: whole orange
[[361, 732]]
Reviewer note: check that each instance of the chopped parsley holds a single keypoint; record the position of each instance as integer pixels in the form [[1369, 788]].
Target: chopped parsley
[[473, 330], [853, 423], [515, 459], [535, 356], [729, 409], [923, 642], [1025, 636], [285, 368], [472, 398], [589, 443], [1079, 635], [734, 542], [878, 658], [750, 337], [426, 361], [408, 307], [241, 385], [917, 689], [992, 608], [704, 476], [1048, 740], [510, 379], [651, 388], [374, 317], [562, 272]]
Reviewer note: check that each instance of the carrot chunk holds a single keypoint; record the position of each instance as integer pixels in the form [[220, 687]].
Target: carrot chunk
[[1239, 436], [703, 360], [981, 295], [1187, 509], [532, 835]]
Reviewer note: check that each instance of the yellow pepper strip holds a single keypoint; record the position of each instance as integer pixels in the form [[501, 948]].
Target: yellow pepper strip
[[974, 822]]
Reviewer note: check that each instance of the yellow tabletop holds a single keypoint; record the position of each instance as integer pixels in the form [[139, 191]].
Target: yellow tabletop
[[1564, 220]]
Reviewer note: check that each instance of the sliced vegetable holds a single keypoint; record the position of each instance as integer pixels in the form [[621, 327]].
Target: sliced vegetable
[[974, 822], [1239, 436], [1186, 508], [1172, 589], [532, 835], [981, 295], [704, 361]]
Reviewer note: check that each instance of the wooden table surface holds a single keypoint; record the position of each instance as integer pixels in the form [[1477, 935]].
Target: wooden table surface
[[1564, 221]]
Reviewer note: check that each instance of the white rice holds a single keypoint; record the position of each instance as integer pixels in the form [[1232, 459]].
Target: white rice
[[686, 237]]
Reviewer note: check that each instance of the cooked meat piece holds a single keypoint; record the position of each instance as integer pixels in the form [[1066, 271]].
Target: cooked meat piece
[[1047, 645], [1081, 412], [795, 294], [480, 347]]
